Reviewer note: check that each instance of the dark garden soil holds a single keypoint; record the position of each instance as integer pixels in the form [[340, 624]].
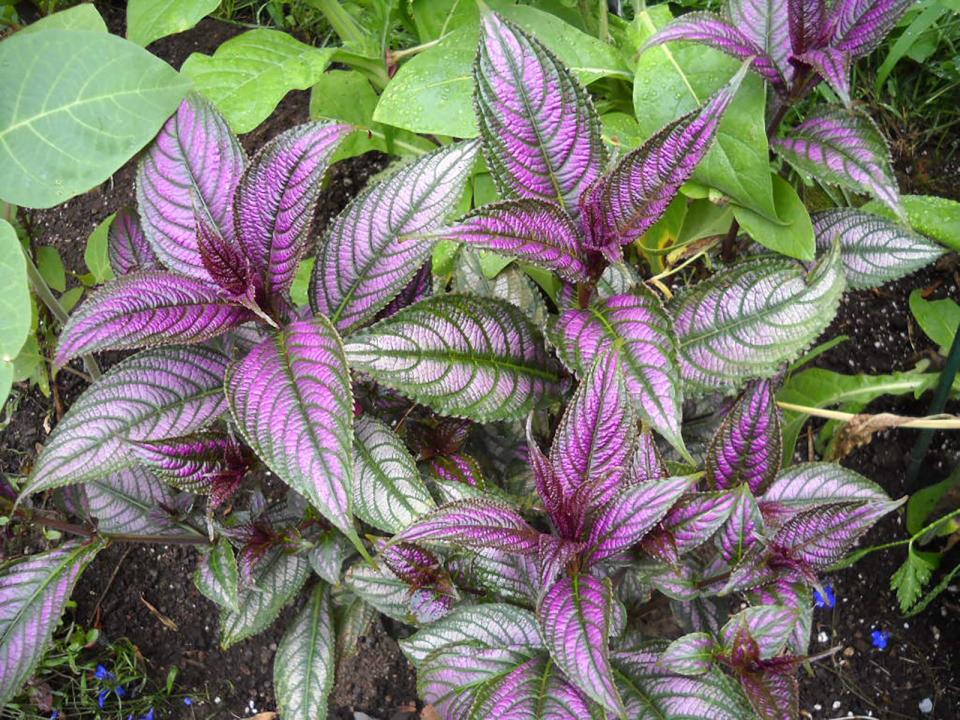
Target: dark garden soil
[[146, 594]]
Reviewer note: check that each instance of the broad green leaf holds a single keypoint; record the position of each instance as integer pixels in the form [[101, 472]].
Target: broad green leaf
[[937, 217], [96, 256], [347, 96], [924, 501], [34, 591], [149, 20], [304, 664], [674, 79], [433, 92], [388, 492], [248, 75], [792, 235], [51, 268], [939, 319], [278, 578], [80, 17], [217, 576], [104, 99], [15, 310]]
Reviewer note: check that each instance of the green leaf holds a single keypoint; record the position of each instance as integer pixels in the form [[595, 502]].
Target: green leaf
[[304, 665], [939, 319], [217, 576], [793, 235], [149, 20], [105, 99], [923, 502], [674, 79], [278, 578], [347, 96], [79, 17], [433, 92], [932, 10], [249, 74], [71, 297], [50, 265], [910, 579], [95, 255], [300, 289], [15, 310], [936, 217]]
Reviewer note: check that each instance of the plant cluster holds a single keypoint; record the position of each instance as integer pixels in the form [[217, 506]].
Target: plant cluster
[[406, 408]]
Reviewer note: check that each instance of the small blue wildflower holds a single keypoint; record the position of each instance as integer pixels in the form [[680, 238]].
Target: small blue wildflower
[[120, 691], [55, 715], [149, 715], [880, 639], [102, 698], [188, 701], [103, 674], [828, 599]]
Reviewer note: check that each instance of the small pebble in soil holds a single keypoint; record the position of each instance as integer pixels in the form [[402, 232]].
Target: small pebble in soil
[[926, 706], [836, 705], [822, 637]]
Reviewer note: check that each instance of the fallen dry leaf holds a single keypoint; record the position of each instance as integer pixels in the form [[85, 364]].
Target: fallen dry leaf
[[164, 620]]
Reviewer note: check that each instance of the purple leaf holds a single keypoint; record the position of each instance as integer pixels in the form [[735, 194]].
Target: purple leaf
[[429, 604], [457, 468], [810, 485], [291, 399], [689, 655], [873, 250], [858, 26], [833, 66], [714, 31], [770, 626], [224, 261], [127, 247], [560, 700], [514, 696], [595, 435], [419, 287], [747, 446], [540, 133], [796, 595], [194, 161], [127, 502], [766, 24], [627, 202], [146, 309], [553, 556], [806, 20], [474, 523], [843, 148], [773, 696], [550, 486], [33, 594], [636, 328], [744, 527], [746, 321], [413, 564], [532, 230], [460, 355], [574, 617], [632, 514], [154, 394], [695, 518], [303, 668], [276, 197], [447, 678], [647, 463], [364, 260]]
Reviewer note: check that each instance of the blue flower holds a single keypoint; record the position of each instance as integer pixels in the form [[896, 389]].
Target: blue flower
[[102, 698], [188, 701], [828, 599], [120, 691], [149, 715], [55, 715], [103, 674], [880, 639]]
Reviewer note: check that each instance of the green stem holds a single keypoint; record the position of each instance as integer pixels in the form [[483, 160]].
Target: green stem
[[42, 291], [340, 20]]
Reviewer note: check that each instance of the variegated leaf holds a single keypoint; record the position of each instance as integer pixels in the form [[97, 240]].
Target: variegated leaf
[[194, 161], [493, 625], [843, 148], [647, 463], [470, 357], [632, 514], [696, 517], [328, 555], [145, 309], [474, 523], [217, 576], [276, 197], [746, 321], [511, 284], [636, 327], [365, 258], [34, 591], [769, 626], [744, 527], [773, 696], [858, 26], [806, 22], [873, 250], [689, 655], [574, 618], [540, 133], [832, 65], [636, 193], [304, 665], [388, 492], [292, 401], [810, 485], [127, 246], [747, 446], [446, 678], [507, 577], [532, 230], [278, 578], [154, 394], [766, 24], [130, 502], [796, 595], [382, 589]]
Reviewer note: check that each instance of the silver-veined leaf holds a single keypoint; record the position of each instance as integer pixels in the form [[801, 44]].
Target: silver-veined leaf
[[382, 589], [304, 665], [129, 502], [217, 576]]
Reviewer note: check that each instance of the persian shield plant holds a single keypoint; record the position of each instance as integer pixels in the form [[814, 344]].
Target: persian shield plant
[[407, 413]]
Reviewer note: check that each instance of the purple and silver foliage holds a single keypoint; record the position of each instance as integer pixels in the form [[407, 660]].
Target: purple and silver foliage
[[408, 414]]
